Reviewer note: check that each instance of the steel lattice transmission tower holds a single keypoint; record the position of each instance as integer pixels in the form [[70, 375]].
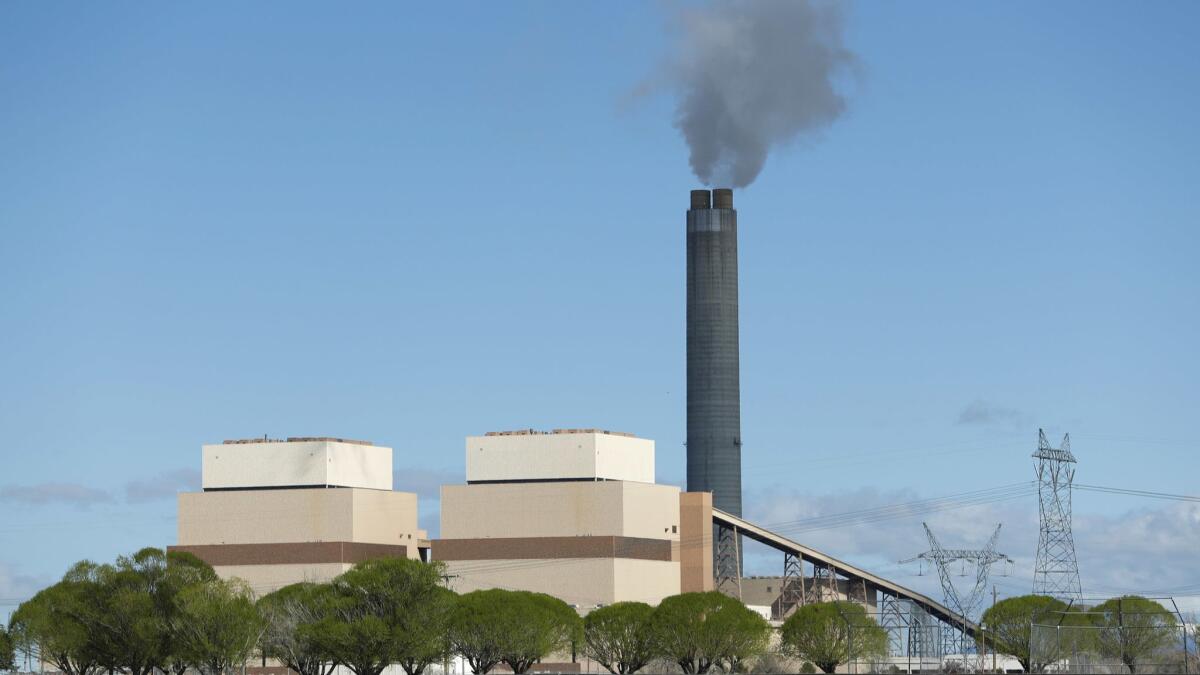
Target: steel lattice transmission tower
[[943, 558], [954, 638], [1056, 572]]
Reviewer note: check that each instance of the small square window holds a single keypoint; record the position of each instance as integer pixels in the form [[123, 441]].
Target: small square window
[[674, 529]]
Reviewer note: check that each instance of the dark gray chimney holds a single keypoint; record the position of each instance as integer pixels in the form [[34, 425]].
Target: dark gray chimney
[[714, 413]]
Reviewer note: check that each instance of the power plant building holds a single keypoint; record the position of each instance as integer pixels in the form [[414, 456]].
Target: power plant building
[[574, 513], [305, 509]]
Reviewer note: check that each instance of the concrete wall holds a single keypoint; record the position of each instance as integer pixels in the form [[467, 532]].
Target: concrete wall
[[559, 455], [301, 515], [585, 582], [695, 542], [585, 542], [283, 464], [560, 510], [266, 578]]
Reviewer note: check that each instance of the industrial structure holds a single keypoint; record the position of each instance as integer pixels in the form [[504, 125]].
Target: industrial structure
[[955, 640], [276, 512], [574, 513], [1056, 570], [714, 416]]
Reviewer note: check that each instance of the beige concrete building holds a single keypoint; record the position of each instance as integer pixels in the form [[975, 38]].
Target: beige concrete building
[[305, 509], [573, 512]]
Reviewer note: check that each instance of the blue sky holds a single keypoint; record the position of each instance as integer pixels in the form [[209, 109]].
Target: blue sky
[[411, 224]]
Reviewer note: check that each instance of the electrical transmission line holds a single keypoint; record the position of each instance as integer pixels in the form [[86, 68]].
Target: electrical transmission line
[[943, 558], [954, 638], [1056, 572]]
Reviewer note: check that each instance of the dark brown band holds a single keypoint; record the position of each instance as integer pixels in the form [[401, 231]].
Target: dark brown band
[[546, 548], [315, 552]]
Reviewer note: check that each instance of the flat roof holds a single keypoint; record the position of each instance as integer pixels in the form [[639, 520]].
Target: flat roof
[[294, 439], [535, 432]]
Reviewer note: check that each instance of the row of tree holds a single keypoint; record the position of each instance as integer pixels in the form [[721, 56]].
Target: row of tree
[[156, 612], [1040, 631]]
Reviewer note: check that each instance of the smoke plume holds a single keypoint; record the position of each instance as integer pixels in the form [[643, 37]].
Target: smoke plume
[[751, 75]]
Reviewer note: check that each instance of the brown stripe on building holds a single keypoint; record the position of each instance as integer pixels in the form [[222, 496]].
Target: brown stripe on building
[[314, 552], [548, 548]]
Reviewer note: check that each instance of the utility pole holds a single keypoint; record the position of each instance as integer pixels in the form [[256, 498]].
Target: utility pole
[[994, 647]]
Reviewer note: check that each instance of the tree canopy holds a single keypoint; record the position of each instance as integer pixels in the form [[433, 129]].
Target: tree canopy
[[517, 628], [619, 636], [1133, 629], [831, 633], [1010, 622], [217, 626], [378, 614], [8, 652], [475, 634], [701, 630], [286, 613]]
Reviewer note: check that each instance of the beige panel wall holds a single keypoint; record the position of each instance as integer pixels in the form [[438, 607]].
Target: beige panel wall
[[382, 517], [585, 582], [569, 509], [645, 580], [249, 465], [556, 456], [650, 511], [624, 458], [265, 516], [266, 578], [285, 516]]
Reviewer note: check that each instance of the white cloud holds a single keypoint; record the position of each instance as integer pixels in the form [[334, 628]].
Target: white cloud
[[983, 413], [1150, 550], [16, 588], [163, 486], [42, 494]]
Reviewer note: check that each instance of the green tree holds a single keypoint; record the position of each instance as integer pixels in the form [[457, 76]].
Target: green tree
[[1010, 624], [285, 614], [216, 625], [424, 635], [1132, 629], [476, 632], [619, 636], [379, 613], [54, 624], [8, 652], [701, 630], [139, 597], [831, 633], [517, 628], [537, 625]]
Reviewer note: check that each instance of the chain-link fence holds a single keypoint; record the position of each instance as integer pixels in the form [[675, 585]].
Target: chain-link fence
[[1123, 635]]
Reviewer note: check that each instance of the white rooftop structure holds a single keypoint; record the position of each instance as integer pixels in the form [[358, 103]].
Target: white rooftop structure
[[296, 462], [559, 455]]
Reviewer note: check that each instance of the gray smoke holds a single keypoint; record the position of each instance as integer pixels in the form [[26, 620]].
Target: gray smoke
[[752, 74]]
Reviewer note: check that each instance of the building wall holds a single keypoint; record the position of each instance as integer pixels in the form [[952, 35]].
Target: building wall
[[284, 464], [587, 542], [569, 509], [300, 515], [556, 456], [695, 542], [584, 582], [272, 538], [266, 578]]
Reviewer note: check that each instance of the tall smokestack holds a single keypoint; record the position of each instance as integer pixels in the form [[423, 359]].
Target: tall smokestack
[[714, 410]]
